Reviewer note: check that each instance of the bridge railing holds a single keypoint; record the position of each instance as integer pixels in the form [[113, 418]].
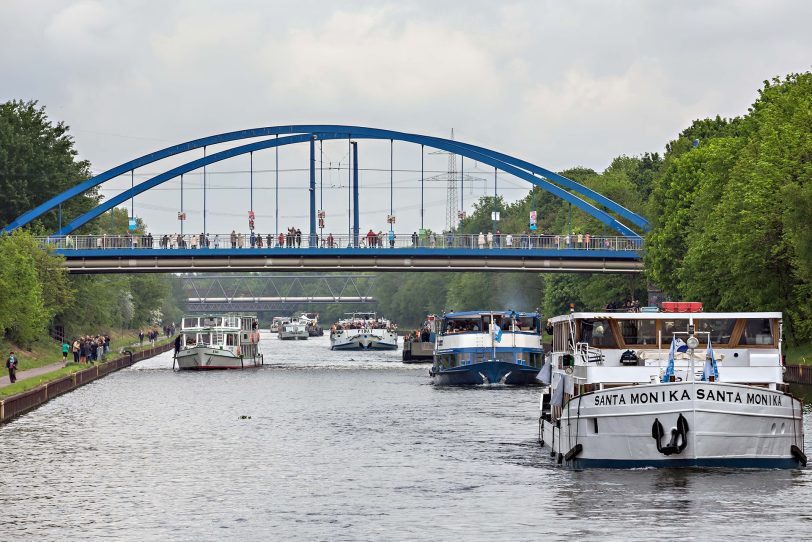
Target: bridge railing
[[541, 241]]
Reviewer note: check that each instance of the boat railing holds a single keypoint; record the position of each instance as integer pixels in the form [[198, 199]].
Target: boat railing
[[589, 354]]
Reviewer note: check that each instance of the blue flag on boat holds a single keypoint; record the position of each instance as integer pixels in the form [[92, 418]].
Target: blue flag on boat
[[710, 364], [680, 345], [497, 336], [669, 370]]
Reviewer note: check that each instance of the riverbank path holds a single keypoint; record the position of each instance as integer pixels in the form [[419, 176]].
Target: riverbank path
[[30, 373]]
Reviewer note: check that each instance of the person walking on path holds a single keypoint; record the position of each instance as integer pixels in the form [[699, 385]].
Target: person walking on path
[[11, 365], [65, 350], [177, 345], [141, 337]]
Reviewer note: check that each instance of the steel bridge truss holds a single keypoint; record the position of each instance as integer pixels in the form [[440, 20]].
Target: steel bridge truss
[[235, 293]]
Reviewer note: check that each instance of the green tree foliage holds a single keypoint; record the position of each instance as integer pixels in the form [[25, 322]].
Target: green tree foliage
[[25, 309], [37, 162], [732, 216]]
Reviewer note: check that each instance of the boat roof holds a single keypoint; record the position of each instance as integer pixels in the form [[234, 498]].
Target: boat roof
[[664, 315], [463, 314]]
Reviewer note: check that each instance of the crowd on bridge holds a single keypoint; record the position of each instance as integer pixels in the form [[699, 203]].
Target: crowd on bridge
[[293, 237]]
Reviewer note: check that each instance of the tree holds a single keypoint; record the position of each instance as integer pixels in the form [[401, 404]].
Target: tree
[[37, 162], [23, 314]]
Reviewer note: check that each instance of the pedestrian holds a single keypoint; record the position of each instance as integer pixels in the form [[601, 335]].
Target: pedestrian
[[253, 239], [433, 240], [240, 240], [233, 239], [65, 350], [269, 240], [281, 239], [141, 337], [75, 348], [370, 238], [509, 240], [481, 240], [414, 240], [391, 239], [11, 365], [177, 345], [490, 239], [259, 241], [217, 241], [298, 238], [330, 240]]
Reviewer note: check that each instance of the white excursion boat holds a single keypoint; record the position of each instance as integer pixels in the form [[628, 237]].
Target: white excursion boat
[[669, 389], [219, 342], [363, 331], [276, 323], [294, 330]]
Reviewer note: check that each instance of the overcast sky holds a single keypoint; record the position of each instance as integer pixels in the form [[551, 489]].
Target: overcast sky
[[560, 84]]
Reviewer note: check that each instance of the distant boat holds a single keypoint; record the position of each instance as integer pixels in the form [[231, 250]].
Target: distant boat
[[295, 330], [277, 322], [488, 347], [418, 347], [219, 342], [363, 331]]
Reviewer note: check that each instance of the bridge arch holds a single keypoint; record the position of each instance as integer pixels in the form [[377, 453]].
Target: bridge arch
[[294, 134]]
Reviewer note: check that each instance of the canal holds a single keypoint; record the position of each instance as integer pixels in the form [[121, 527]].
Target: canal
[[344, 446]]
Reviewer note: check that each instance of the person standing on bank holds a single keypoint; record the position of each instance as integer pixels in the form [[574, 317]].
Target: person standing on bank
[[65, 350], [11, 365]]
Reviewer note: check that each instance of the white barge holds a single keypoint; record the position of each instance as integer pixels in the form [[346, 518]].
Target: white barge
[[219, 342], [669, 389], [363, 331]]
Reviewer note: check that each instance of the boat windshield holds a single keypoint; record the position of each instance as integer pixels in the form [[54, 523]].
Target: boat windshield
[[720, 330], [189, 321], [598, 333], [757, 331]]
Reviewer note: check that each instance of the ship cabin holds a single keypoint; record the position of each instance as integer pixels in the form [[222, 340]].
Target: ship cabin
[[607, 349], [466, 338]]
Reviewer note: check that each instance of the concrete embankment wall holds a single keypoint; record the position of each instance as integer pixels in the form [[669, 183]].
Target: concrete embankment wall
[[798, 374], [31, 399]]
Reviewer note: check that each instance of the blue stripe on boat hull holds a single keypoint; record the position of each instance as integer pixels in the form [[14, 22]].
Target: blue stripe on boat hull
[[493, 371], [708, 462]]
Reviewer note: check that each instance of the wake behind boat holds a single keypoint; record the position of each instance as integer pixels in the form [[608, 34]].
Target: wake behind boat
[[675, 389], [363, 331], [488, 347], [219, 342]]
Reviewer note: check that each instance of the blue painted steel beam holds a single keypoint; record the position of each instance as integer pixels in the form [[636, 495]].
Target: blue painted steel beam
[[313, 237], [270, 143], [355, 213], [458, 147]]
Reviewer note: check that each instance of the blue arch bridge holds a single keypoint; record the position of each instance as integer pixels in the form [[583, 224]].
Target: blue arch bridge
[[211, 251]]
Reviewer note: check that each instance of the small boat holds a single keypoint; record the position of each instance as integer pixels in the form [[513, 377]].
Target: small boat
[[311, 320], [277, 321], [219, 342], [294, 330], [418, 346], [488, 347], [363, 331], [673, 388]]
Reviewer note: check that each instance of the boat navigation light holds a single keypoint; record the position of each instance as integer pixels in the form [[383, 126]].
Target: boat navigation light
[[692, 342]]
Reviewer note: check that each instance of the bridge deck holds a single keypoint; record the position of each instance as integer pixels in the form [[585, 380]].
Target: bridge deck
[[329, 259]]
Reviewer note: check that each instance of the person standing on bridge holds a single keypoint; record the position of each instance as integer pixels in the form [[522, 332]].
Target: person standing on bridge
[[11, 365], [253, 239], [414, 240], [298, 238], [240, 240], [233, 239], [269, 241], [330, 240], [490, 239], [391, 238], [481, 240]]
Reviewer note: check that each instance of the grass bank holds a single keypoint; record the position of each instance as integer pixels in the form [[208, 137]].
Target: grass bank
[[32, 382], [46, 350], [799, 355]]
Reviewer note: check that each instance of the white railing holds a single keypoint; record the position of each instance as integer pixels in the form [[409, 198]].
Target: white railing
[[444, 241]]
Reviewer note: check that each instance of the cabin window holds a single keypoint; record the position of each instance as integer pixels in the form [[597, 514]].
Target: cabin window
[[525, 323], [191, 340], [231, 339], [757, 331], [720, 330], [673, 326], [204, 338], [212, 321], [463, 325], [643, 332], [598, 333], [189, 322]]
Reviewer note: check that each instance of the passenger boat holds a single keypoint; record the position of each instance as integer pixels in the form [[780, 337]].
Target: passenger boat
[[669, 389], [311, 320], [488, 347], [363, 331], [277, 321], [219, 342], [294, 330], [418, 346]]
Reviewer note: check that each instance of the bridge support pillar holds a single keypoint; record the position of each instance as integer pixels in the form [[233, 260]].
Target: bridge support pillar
[[313, 237], [355, 193]]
